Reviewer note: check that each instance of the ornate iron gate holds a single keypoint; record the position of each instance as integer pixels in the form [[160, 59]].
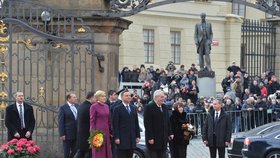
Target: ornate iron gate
[[258, 47], [44, 54]]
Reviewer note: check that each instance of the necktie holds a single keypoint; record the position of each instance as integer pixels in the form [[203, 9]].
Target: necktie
[[21, 117], [128, 109], [74, 110], [216, 117], [160, 108]]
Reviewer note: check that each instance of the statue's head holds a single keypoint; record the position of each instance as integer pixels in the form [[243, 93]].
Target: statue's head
[[203, 16]]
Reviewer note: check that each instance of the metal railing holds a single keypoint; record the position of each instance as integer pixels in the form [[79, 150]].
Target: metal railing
[[242, 120]]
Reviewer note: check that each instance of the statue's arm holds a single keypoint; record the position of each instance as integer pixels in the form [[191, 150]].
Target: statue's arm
[[195, 34], [211, 33]]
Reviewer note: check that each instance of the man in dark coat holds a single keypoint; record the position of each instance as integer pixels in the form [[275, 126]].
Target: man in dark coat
[[19, 119], [67, 125], [126, 130], [83, 125], [216, 133], [157, 126]]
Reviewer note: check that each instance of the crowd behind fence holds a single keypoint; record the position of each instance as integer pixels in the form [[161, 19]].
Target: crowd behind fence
[[242, 121]]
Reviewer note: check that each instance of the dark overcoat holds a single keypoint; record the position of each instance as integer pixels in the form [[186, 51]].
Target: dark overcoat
[[177, 120], [12, 120], [83, 126], [222, 129], [126, 127], [157, 126]]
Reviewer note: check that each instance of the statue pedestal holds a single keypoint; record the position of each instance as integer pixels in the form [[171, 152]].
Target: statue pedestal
[[207, 86]]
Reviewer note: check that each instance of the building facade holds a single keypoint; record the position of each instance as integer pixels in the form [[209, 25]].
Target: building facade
[[165, 33]]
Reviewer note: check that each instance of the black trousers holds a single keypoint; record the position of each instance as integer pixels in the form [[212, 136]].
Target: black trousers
[[213, 150], [180, 151], [157, 153], [69, 148], [126, 153]]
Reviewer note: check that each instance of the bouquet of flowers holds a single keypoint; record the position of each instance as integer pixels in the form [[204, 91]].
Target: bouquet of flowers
[[189, 131], [96, 139], [21, 148]]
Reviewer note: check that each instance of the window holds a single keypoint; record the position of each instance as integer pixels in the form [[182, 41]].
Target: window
[[149, 45], [175, 40], [238, 9]]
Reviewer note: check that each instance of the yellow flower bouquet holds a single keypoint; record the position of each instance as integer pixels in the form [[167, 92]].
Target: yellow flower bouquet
[[96, 139]]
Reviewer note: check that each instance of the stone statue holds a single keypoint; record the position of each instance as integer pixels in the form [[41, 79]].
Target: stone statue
[[203, 38]]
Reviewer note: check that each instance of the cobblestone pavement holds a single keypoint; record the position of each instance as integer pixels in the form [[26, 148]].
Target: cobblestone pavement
[[196, 149]]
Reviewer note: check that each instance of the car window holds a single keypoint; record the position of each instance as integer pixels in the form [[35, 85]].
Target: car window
[[262, 129], [270, 130]]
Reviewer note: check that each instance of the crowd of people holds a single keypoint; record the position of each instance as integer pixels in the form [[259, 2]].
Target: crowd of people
[[250, 101]]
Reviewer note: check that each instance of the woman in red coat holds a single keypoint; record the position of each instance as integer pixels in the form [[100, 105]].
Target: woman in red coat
[[100, 120]]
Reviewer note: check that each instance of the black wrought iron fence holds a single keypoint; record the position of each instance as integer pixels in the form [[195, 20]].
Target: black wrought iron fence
[[258, 46]]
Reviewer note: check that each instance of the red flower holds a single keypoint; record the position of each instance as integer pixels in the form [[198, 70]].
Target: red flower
[[20, 143], [31, 150], [37, 148], [4, 147], [31, 142], [23, 140], [10, 151], [19, 149], [27, 145]]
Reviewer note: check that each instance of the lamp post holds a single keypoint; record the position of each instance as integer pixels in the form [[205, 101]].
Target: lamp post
[[46, 18]]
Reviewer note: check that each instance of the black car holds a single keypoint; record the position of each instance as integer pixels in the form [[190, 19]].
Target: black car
[[237, 140], [262, 146]]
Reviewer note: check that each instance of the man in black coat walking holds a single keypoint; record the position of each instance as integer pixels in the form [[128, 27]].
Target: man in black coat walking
[[126, 129], [216, 133], [83, 125], [157, 126], [19, 119]]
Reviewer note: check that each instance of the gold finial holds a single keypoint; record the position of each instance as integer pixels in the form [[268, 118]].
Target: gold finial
[[3, 32], [41, 92], [28, 43], [3, 48], [3, 105], [3, 28], [81, 30], [57, 45], [3, 77], [4, 39]]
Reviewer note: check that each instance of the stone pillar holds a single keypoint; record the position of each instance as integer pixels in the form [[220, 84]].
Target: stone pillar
[[106, 42], [232, 39]]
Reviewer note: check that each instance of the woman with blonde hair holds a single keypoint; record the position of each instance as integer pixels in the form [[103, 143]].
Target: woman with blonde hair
[[100, 120]]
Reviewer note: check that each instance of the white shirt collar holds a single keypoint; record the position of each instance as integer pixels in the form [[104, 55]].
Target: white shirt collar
[[125, 104], [19, 103], [219, 112], [69, 104]]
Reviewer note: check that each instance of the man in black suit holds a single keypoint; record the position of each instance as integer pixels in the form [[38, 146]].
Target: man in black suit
[[216, 133], [19, 119], [126, 129], [83, 125], [157, 126], [67, 125]]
